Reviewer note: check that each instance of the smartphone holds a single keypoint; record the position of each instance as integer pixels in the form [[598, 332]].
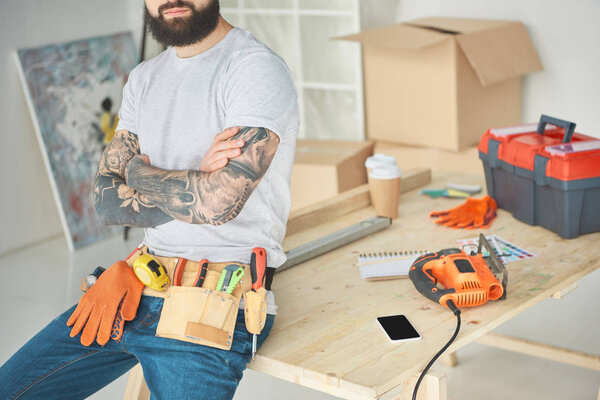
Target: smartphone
[[398, 328]]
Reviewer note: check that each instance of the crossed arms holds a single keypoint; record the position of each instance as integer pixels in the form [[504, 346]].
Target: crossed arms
[[127, 191]]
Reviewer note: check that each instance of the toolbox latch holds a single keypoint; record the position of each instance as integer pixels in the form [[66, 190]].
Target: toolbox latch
[[493, 146], [539, 169]]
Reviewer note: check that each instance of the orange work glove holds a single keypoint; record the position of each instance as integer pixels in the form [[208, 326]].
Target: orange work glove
[[98, 307], [488, 217], [472, 214]]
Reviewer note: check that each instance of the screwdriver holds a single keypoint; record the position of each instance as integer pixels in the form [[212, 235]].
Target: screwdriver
[[258, 266]]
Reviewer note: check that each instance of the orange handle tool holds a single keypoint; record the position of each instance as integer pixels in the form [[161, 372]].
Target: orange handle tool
[[179, 267], [258, 266], [202, 269]]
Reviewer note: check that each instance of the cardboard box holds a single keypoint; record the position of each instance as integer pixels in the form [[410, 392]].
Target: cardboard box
[[465, 161], [442, 82], [323, 169]]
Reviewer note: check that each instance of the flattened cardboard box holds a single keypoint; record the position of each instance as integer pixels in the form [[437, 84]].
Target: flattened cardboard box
[[324, 168], [442, 82]]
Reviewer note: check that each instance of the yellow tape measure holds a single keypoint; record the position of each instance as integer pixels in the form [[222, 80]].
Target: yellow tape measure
[[150, 272]]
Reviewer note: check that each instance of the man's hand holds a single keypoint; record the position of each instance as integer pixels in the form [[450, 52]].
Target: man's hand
[[222, 150], [219, 153]]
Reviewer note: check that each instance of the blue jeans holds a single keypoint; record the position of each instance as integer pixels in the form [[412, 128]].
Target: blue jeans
[[52, 365]]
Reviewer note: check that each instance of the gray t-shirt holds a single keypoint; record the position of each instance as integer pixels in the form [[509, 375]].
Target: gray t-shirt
[[176, 106]]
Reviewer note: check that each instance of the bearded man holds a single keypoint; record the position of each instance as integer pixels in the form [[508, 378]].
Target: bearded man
[[201, 160]]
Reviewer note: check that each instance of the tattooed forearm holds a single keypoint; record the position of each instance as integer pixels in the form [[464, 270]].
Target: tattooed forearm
[[117, 154], [114, 201], [207, 198], [118, 204]]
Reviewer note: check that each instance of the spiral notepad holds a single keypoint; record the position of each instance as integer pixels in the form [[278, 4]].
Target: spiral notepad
[[387, 264]]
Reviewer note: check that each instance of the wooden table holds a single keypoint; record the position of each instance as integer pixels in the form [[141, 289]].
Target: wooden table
[[326, 337]]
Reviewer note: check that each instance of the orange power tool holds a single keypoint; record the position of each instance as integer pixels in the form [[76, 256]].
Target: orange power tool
[[467, 280]]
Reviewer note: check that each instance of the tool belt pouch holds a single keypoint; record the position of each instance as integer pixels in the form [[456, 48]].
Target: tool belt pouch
[[255, 310], [199, 315]]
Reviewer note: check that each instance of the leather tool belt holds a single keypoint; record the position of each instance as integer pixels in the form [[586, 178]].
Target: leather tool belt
[[203, 315]]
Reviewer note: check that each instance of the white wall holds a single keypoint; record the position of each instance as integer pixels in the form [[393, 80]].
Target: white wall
[[567, 37], [28, 212]]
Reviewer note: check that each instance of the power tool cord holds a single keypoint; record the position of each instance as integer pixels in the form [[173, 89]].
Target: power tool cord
[[456, 312]]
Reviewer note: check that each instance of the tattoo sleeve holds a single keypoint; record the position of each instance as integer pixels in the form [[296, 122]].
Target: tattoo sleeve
[[207, 197], [114, 201]]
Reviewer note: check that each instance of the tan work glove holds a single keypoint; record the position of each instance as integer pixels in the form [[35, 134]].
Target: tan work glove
[[472, 214], [100, 307]]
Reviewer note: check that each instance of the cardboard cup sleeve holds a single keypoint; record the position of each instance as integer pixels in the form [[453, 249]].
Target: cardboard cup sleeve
[[384, 186]]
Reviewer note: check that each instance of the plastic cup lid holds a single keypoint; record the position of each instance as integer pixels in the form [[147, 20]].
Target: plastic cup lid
[[380, 159], [386, 172]]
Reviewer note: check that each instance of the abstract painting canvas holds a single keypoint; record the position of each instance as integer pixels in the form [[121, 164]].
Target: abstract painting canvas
[[74, 91]]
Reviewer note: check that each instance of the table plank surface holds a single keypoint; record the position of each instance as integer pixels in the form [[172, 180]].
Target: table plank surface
[[326, 336]]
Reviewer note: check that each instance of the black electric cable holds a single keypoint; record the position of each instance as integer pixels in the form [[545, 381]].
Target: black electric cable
[[456, 312]]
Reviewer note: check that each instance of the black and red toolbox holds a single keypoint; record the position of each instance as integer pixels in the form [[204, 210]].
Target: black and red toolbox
[[545, 174]]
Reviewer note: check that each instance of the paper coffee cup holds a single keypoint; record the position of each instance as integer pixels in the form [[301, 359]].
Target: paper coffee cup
[[384, 186]]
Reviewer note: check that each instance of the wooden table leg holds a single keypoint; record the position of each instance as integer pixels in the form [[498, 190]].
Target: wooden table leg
[[433, 387], [449, 359], [136, 385]]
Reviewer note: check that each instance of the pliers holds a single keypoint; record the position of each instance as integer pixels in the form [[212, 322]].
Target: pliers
[[180, 266]]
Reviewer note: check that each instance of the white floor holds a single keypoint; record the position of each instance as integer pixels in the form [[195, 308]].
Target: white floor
[[41, 281]]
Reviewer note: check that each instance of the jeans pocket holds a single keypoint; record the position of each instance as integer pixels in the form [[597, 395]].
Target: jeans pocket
[[154, 311]]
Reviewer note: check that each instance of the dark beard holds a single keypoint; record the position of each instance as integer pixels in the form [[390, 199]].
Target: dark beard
[[183, 31]]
